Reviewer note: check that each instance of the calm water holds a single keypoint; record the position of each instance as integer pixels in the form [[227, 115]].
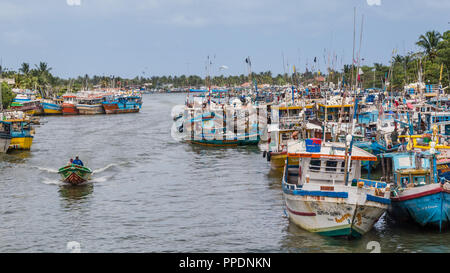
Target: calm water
[[151, 193]]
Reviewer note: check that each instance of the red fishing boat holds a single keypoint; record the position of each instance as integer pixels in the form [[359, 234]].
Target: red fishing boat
[[68, 106]]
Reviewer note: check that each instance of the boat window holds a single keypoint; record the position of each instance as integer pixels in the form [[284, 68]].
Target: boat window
[[331, 166], [404, 181], [315, 165], [419, 180]]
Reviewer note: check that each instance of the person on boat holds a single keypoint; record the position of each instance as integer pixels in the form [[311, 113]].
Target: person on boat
[[71, 161], [77, 161]]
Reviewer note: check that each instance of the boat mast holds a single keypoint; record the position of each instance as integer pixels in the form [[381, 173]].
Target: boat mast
[[353, 55]]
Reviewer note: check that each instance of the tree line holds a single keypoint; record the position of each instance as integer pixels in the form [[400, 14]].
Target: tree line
[[401, 70]]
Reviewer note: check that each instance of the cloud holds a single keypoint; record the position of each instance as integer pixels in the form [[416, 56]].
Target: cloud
[[73, 2], [374, 2]]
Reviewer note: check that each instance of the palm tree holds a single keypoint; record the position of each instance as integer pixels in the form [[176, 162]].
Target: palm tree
[[25, 68], [429, 43], [43, 68]]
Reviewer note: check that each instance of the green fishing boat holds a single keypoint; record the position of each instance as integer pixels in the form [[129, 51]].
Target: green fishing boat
[[75, 174]]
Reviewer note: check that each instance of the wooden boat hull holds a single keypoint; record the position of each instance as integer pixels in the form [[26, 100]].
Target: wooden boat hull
[[75, 174], [86, 109], [29, 110], [21, 143], [428, 205], [69, 109], [333, 213], [113, 108], [335, 209], [222, 143], [51, 108]]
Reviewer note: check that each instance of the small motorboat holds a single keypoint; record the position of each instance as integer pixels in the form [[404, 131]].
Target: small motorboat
[[75, 174]]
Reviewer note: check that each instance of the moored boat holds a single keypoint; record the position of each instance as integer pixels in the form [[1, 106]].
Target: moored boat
[[125, 104], [21, 134], [68, 105], [419, 193], [90, 106], [75, 174], [323, 196], [51, 107]]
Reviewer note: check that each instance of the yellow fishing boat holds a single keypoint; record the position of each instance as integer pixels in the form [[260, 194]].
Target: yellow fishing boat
[[21, 134]]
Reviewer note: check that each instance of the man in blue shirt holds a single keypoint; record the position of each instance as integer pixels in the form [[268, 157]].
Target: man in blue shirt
[[77, 161]]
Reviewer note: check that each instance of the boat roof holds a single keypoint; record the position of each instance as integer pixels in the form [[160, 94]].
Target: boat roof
[[331, 150]]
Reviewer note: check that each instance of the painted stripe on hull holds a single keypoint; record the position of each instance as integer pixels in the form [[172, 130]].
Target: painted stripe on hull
[[52, 111], [301, 213]]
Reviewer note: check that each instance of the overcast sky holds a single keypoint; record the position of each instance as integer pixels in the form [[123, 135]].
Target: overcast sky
[[172, 37]]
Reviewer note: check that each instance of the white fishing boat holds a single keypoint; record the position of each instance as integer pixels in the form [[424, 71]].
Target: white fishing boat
[[323, 196]]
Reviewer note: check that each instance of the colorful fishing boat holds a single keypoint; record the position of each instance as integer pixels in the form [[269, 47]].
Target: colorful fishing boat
[[69, 105], [52, 107], [325, 194], [75, 174], [209, 129], [5, 136], [91, 106], [123, 104], [419, 193], [21, 134], [31, 107]]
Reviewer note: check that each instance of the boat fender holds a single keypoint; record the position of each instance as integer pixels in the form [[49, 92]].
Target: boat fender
[[264, 154], [269, 156], [299, 172]]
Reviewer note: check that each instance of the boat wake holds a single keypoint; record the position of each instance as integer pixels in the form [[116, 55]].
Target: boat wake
[[105, 168], [100, 179], [46, 169], [49, 181]]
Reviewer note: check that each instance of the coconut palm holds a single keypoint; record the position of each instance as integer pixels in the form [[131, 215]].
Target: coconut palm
[[429, 43], [25, 68]]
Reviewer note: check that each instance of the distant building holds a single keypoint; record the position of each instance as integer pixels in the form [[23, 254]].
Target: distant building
[[8, 81]]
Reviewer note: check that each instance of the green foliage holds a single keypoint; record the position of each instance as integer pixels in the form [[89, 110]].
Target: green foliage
[[403, 69], [7, 95]]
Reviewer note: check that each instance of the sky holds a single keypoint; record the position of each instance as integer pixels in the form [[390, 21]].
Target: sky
[[131, 38]]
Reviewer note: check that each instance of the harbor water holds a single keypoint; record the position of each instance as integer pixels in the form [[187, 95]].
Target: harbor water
[[152, 193]]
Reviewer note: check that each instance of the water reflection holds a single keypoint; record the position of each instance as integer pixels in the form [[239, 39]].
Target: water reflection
[[76, 193], [16, 156]]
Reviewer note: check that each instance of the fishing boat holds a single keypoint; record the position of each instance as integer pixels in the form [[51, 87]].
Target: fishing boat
[[68, 105], [325, 194], [75, 174], [421, 190], [90, 106], [32, 107], [123, 104], [21, 132], [209, 128], [5, 136], [52, 106]]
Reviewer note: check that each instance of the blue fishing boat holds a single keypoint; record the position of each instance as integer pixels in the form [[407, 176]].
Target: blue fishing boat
[[52, 107], [418, 194], [123, 104]]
